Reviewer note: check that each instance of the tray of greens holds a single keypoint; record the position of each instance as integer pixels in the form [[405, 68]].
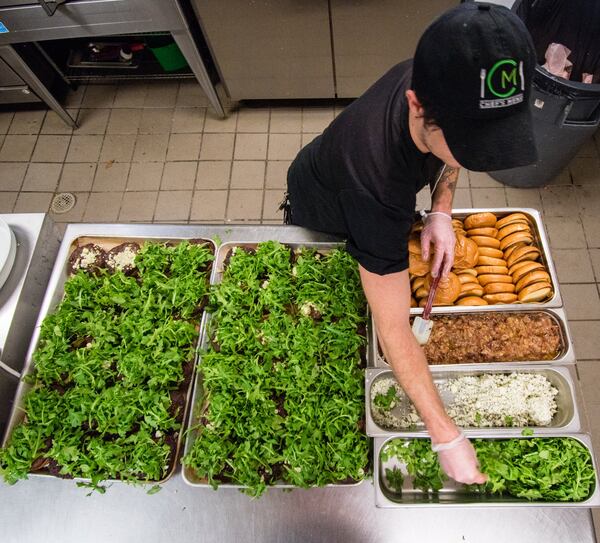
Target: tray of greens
[[279, 398], [524, 471], [105, 392], [503, 399]]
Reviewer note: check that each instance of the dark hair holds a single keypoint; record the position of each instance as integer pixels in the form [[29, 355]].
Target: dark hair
[[429, 113]]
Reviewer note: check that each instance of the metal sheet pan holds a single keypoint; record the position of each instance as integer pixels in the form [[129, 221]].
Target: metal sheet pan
[[540, 239], [53, 297], [198, 404], [567, 355], [452, 495], [566, 419]]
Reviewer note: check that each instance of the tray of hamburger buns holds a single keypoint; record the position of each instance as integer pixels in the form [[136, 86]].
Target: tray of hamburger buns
[[502, 260]]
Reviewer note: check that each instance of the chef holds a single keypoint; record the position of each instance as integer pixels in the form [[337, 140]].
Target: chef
[[463, 101]]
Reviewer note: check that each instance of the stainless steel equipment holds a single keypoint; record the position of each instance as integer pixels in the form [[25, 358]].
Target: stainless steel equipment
[[48, 509], [562, 378], [29, 21], [55, 294], [189, 475], [371, 37], [270, 49], [566, 356], [453, 495], [21, 296], [311, 48], [540, 239]]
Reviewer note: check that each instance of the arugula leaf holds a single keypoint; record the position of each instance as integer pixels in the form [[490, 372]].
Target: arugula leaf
[[557, 469], [386, 401], [284, 386], [108, 370]]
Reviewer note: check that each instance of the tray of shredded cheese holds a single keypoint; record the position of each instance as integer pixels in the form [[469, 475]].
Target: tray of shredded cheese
[[505, 399]]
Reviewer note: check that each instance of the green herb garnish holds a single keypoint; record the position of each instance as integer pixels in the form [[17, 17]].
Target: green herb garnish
[[282, 376], [557, 469], [386, 401], [109, 382]]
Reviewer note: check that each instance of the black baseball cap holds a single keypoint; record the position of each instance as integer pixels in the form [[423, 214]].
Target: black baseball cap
[[473, 69]]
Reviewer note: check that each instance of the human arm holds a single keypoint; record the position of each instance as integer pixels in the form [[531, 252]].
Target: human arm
[[438, 224], [388, 297]]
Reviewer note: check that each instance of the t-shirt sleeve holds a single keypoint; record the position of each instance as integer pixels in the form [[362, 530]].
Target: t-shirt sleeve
[[377, 235]]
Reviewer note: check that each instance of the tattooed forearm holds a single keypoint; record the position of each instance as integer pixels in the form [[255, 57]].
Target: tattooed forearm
[[444, 191], [449, 179]]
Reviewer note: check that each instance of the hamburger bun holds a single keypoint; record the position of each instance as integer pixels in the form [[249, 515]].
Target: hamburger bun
[[423, 303], [466, 253], [416, 283], [488, 278], [512, 228], [512, 218], [527, 252], [517, 237], [471, 289], [535, 276], [460, 232], [498, 270], [490, 261], [413, 302], [497, 288], [471, 300], [414, 245], [486, 241], [466, 278], [480, 220], [537, 292], [417, 227], [416, 265], [486, 231], [500, 298], [457, 223], [448, 288], [523, 267], [489, 251], [421, 292], [467, 271], [513, 248]]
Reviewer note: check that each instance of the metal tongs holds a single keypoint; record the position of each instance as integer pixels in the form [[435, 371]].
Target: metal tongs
[[422, 325]]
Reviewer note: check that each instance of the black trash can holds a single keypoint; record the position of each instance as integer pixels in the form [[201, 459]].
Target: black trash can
[[565, 112]]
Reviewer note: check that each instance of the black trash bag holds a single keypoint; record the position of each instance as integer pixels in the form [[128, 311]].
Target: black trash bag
[[573, 23]]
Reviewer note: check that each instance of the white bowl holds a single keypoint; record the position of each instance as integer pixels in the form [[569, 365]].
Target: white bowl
[[8, 250]]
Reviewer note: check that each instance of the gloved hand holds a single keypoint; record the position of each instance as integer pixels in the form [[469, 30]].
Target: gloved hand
[[438, 230], [459, 461]]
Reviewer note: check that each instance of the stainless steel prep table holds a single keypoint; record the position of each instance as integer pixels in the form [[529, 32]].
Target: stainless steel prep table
[[47, 509], [22, 294]]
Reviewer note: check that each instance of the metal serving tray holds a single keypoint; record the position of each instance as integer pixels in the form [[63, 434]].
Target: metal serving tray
[[73, 238], [567, 355], [198, 406], [566, 419], [540, 239], [452, 495]]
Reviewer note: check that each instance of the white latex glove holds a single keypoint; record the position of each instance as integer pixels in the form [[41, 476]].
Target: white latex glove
[[438, 230], [459, 461]]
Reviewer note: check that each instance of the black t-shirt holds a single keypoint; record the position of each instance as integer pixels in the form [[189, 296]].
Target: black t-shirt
[[359, 179]]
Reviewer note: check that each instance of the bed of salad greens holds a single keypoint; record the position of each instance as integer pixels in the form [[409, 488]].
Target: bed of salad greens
[[283, 384], [112, 369], [553, 469]]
